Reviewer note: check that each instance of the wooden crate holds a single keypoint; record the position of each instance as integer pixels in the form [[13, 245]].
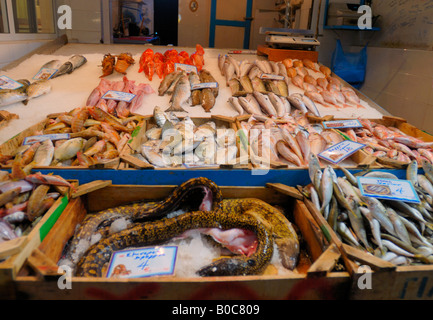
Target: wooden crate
[[314, 277], [9, 148], [375, 279], [14, 253], [274, 54], [129, 161], [360, 157]]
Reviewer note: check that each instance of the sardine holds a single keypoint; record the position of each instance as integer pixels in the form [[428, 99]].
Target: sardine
[[344, 232], [374, 226], [326, 187]]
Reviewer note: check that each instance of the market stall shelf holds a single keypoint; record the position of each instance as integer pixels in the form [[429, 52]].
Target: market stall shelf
[[315, 256]]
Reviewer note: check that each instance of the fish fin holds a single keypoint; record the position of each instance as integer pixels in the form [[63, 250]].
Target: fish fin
[[176, 109]]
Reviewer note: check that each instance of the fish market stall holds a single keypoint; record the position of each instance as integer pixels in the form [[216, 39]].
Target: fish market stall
[[289, 251]]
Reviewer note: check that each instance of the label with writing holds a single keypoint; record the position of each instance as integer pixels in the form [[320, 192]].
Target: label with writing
[[391, 189], [118, 96], [242, 52], [185, 67], [45, 74], [341, 151], [204, 85], [270, 76], [43, 137], [142, 262], [8, 83], [340, 124]]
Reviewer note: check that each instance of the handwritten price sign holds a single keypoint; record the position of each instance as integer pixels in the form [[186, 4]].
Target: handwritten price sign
[[390, 189], [142, 262], [340, 151]]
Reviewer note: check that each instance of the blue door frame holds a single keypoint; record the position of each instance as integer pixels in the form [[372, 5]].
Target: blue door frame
[[231, 23]]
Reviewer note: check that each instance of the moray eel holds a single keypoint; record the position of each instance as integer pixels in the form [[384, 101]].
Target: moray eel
[[284, 234], [211, 198], [151, 233]]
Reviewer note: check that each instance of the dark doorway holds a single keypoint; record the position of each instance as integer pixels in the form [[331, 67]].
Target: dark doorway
[[166, 14]]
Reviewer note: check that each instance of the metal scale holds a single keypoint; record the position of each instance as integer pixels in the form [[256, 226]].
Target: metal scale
[[282, 38]]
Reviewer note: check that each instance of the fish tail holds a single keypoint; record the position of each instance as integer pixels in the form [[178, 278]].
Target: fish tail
[[175, 108]]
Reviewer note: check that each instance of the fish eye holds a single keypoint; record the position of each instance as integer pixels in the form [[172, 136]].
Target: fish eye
[[251, 262]]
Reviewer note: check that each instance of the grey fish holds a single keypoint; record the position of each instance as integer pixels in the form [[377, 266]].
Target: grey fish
[[374, 226], [309, 104], [425, 184], [297, 103], [77, 61], [313, 166], [380, 174], [412, 172], [326, 187], [399, 227], [53, 64], [159, 116], [428, 169], [379, 213], [65, 68], [349, 176], [37, 89], [181, 94], [167, 81]]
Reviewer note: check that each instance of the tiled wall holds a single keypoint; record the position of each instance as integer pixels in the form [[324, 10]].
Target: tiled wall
[[401, 81]]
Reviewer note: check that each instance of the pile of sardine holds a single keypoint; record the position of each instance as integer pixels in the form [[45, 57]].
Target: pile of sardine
[[173, 142], [73, 63], [252, 93], [92, 137], [180, 86], [25, 93], [389, 145], [291, 139], [396, 231], [24, 199]]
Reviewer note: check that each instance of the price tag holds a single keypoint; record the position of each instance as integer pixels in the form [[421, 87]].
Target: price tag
[[142, 262], [118, 95], [185, 67], [342, 124], [269, 76], [390, 189], [8, 83], [40, 138], [204, 85], [45, 74], [341, 151]]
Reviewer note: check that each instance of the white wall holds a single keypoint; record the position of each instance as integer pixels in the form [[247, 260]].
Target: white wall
[[13, 50]]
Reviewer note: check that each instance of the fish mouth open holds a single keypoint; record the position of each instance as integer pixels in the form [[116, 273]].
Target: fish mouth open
[[207, 201]]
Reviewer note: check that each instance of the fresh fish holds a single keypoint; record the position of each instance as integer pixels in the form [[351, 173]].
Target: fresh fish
[[380, 174], [160, 116], [44, 154], [35, 201], [399, 227], [344, 232], [349, 176], [77, 61], [6, 231], [207, 99], [357, 224], [65, 68], [39, 178], [394, 248], [53, 64], [304, 144], [407, 209], [258, 85], [235, 64], [278, 104], [167, 82], [153, 157], [313, 166], [234, 102], [265, 103], [195, 94], [245, 67], [298, 103], [379, 212], [326, 187], [221, 61], [425, 184], [428, 169], [9, 195], [68, 149], [412, 173], [229, 71], [246, 84], [292, 142], [37, 89], [205, 151], [412, 142], [181, 94], [310, 105], [374, 226], [255, 72], [11, 96], [287, 153]]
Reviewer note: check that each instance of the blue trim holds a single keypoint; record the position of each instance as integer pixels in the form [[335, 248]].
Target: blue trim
[[223, 177], [230, 23]]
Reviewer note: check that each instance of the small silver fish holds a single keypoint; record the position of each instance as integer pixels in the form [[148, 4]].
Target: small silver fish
[[181, 94]]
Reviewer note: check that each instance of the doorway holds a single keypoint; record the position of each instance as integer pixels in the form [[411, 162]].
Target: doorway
[[232, 18]]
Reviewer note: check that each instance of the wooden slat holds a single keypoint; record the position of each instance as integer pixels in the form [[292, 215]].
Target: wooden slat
[[41, 263], [290, 191], [89, 187], [325, 262]]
